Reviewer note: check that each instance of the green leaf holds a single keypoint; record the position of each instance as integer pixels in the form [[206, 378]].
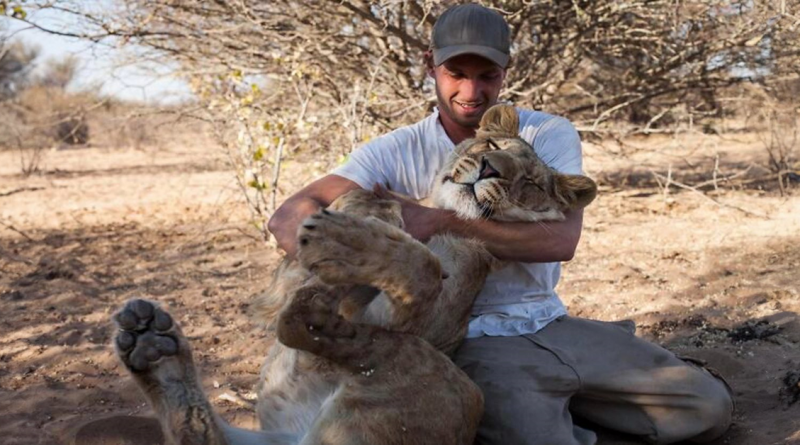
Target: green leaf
[[259, 153], [19, 13], [257, 185]]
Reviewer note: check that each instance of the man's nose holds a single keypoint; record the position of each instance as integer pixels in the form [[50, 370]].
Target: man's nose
[[471, 90]]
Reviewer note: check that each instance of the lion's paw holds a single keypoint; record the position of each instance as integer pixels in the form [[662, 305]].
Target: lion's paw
[[342, 249], [146, 335]]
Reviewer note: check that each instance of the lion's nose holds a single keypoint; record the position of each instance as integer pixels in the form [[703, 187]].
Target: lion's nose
[[487, 171]]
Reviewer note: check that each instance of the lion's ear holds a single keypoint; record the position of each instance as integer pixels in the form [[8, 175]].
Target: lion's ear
[[500, 119], [575, 191]]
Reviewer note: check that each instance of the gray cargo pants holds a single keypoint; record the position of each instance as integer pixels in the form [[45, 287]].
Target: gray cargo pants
[[599, 371]]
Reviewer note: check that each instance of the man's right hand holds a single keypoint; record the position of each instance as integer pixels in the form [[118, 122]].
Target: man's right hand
[[420, 222], [317, 195]]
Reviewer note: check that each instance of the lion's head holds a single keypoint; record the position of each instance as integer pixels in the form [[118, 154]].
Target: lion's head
[[498, 175]]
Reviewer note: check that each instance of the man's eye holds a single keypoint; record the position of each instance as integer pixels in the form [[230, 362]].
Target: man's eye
[[490, 77]]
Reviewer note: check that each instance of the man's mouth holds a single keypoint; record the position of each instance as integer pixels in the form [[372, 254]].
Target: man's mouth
[[468, 107]]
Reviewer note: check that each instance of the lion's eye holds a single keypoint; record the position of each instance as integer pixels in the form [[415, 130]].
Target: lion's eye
[[531, 181]]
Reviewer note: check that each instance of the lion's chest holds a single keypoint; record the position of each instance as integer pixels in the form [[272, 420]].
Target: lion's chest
[[291, 394]]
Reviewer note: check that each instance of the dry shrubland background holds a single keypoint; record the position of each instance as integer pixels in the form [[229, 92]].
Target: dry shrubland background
[[282, 79], [689, 111]]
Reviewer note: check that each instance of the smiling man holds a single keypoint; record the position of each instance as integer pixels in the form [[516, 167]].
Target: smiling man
[[536, 365]]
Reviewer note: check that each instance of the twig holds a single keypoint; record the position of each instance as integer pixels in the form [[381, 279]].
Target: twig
[[715, 179], [276, 173], [699, 192], [14, 229], [20, 190], [714, 173], [667, 183]]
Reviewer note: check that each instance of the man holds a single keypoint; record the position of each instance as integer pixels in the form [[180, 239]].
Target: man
[[535, 365]]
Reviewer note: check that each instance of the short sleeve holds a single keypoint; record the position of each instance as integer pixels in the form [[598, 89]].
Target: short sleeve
[[366, 165], [558, 144]]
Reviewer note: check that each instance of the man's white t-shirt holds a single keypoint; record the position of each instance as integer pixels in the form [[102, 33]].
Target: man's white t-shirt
[[520, 298]]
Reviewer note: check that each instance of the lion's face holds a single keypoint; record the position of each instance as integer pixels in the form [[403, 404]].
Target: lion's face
[[497, 175]]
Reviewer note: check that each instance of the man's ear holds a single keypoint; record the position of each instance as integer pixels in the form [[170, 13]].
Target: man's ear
[[427, 58], [574, 191], [500, 120]]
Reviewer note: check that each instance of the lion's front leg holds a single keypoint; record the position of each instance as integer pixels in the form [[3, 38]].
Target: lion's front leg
[[343, 249], [153, 348]]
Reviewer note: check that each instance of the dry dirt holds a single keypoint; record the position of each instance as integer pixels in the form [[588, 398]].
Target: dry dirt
[[713, 276]]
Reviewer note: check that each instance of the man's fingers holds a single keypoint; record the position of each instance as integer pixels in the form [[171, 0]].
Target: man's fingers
[[381, 191]]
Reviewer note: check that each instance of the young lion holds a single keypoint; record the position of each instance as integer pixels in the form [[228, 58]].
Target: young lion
[[368, 313]]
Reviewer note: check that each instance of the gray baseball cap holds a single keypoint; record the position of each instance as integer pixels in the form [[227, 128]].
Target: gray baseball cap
[[471, 29]]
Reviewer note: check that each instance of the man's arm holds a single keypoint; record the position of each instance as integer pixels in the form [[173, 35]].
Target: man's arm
[[319, 194], [529, 242]]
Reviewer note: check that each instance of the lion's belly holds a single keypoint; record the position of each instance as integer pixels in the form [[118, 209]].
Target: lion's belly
[[289, 399]]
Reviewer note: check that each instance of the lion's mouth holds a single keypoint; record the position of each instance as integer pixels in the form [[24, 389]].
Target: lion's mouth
[[485, 208]]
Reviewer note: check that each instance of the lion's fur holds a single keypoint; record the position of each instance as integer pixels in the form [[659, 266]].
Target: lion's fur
[[439, 317], [366, 315]]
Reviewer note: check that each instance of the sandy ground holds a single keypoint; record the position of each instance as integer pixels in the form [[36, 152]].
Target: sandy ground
[[713, 276]]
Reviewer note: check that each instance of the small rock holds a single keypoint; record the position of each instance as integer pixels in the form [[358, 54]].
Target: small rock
[[790, 392]]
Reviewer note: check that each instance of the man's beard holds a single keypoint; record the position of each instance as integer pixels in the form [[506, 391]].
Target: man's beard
[[446, 107]]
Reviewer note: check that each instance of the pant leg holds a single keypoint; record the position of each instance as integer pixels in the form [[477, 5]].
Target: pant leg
[[633, 386], [526, 390]]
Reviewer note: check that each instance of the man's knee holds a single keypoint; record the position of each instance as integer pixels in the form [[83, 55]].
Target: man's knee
[[714, 408], [704, 414]]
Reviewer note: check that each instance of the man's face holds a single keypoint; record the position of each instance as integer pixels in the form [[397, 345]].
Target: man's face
[[467, 86]]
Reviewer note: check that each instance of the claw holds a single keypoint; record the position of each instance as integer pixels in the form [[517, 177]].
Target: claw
[[317, 320]]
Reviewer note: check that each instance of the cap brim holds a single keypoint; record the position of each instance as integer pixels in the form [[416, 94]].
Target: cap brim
[[442, 55]]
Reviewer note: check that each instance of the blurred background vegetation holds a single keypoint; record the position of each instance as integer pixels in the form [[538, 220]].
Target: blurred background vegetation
[[308, 78]]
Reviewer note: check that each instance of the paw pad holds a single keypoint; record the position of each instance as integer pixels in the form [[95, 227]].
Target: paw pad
[[145, 335]]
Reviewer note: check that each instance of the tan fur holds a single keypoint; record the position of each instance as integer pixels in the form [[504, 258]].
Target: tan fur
[[368, 314], [499, 121]]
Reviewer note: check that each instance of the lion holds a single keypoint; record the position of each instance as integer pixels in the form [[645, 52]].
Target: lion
[[367, 315]]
